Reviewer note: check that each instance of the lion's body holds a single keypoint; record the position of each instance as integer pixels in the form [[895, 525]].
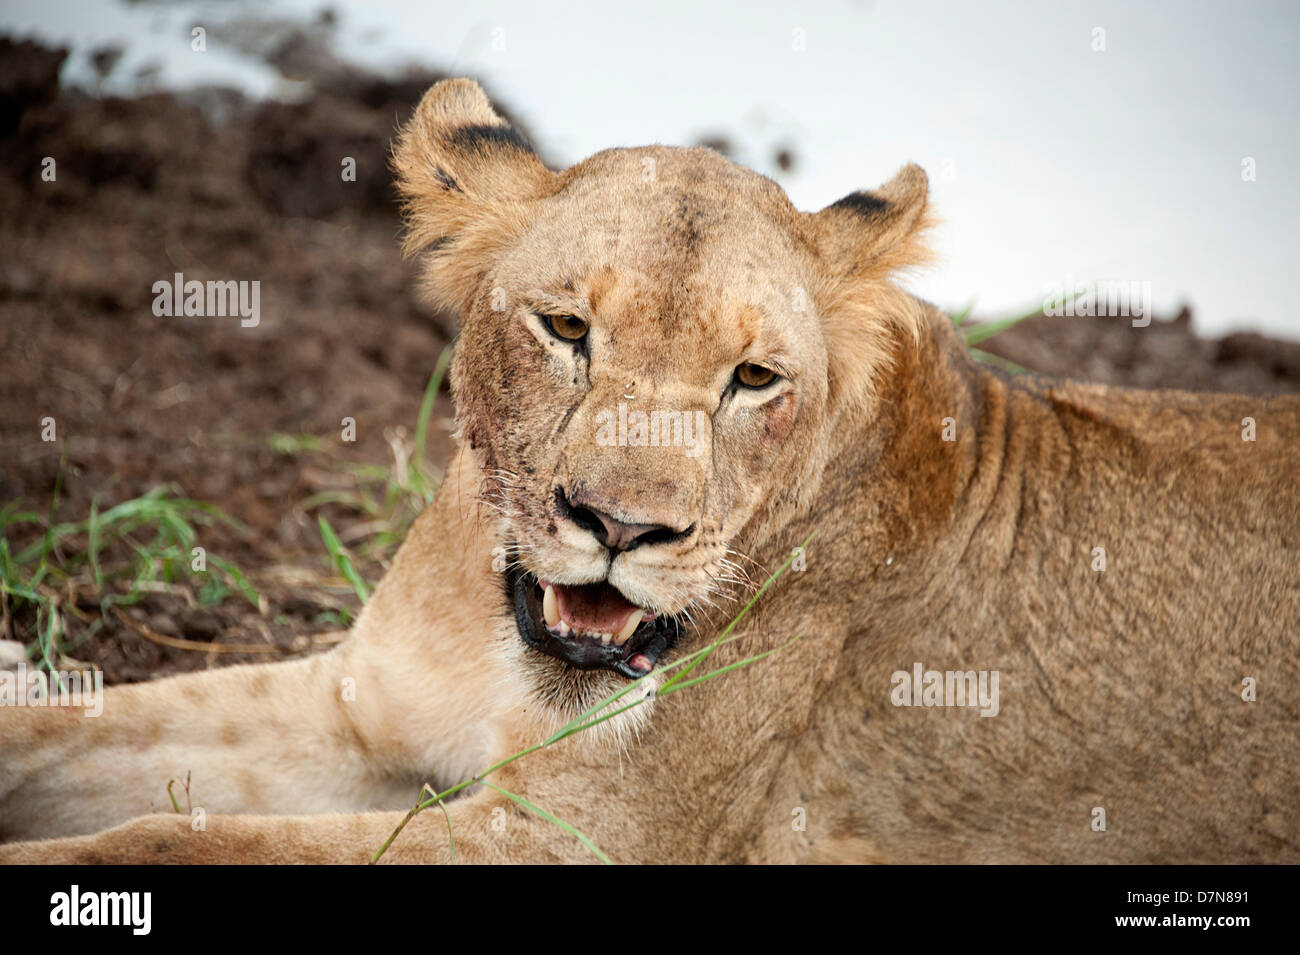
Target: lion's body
[[956, 517]]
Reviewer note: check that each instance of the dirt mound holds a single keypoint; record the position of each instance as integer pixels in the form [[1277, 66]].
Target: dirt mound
[[146, 188], [1164, 354]]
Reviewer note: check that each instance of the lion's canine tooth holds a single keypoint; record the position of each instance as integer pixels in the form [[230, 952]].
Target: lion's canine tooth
[[551, 607], [629, 626]]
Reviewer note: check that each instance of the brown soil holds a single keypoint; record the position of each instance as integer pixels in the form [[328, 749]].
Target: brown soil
[[220, 188]]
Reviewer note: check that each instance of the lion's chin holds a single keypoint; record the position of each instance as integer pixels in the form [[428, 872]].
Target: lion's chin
[[589, 627]]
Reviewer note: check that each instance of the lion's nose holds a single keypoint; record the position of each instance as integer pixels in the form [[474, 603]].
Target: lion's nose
[[612, 532]]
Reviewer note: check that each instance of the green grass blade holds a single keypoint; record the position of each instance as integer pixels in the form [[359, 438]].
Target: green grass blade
[[241, 583], [959, 317], [986, 330], [536, 810], [426, 409], [451, 836], [9, 516], [674, 687], [176, 807], [93, 532], [342, 561], [744, 610]]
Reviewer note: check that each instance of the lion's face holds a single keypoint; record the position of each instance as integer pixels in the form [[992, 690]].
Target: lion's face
[[638, 380], [645, 370]]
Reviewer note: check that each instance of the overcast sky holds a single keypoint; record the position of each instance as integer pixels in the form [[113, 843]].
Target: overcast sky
[[1051, 159]]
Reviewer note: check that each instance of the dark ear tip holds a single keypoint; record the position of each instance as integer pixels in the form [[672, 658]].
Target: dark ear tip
[[909, 186], [863, 203], [488, 136]]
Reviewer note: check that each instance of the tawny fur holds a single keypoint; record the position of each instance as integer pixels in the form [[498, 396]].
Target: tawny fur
[[1119, 689]]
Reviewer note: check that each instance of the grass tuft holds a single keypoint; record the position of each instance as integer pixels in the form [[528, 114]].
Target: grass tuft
[[111, 558]]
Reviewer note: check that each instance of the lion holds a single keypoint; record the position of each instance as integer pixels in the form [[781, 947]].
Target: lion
[[1000, 619]]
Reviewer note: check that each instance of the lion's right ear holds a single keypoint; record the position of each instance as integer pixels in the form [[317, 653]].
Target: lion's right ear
[[467, 178]]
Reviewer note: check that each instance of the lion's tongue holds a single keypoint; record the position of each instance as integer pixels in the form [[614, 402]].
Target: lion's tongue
[[593, 608]]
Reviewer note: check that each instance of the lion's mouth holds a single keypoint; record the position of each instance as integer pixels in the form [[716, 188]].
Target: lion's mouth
[[589, 626]]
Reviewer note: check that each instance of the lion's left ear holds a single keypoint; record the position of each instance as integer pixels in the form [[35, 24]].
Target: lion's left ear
[[873, 234], [862, 241], [469, 179]]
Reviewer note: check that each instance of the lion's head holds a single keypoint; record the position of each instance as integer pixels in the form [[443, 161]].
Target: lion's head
[[655, 350]]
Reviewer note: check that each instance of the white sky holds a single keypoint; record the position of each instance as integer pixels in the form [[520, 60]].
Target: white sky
[[1048, 161]]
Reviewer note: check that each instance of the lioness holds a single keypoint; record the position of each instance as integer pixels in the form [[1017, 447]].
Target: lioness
[[667, 380]]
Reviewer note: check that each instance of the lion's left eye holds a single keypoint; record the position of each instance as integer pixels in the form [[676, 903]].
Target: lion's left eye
[[565, 327], [754, 376]]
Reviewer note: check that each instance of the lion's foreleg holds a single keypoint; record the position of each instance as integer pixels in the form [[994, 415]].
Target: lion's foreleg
[[267, 738]]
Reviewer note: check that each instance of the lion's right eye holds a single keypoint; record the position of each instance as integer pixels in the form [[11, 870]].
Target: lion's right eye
[[567, 328], [754, 376]]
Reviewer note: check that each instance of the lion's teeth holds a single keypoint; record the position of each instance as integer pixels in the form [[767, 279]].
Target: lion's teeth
[[629, 627], [551, 607], [554, 622]]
